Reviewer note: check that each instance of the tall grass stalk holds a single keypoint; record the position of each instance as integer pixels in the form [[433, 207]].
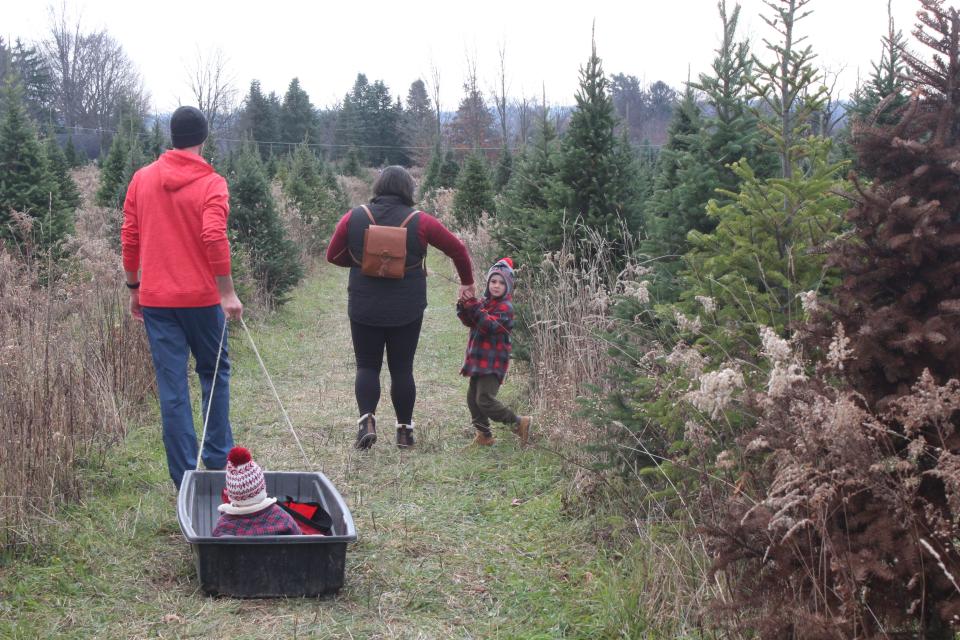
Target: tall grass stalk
[[74, 368]]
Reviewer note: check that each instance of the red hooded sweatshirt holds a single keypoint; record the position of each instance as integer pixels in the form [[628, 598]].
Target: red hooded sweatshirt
[[175, 231]]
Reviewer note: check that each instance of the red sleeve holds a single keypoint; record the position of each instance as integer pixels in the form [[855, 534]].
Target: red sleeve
[[213, 231], [130, 231], [431, 231], [337, 249]]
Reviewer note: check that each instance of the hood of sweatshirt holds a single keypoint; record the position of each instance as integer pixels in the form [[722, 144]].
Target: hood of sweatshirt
[[179, 168]]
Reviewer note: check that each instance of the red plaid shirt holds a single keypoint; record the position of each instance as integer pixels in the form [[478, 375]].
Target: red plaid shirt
[[272, 521], [488, 348]]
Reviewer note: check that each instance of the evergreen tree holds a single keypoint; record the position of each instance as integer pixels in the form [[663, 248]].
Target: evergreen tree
[[529, 220], [129, 150], [431, 176], [351, 164], [112, 172], [314, 189], [887, 85], [887, 82], [136, 160], [33, 73], [26, 183], [504, 169], [274, 260], [298, 119], [695, 164], [472, 126], [386, 142], [419, 121], [329, 181], [695, 161], [878, 476], [69, 194], [449, 171], [158, 141], [133, 160], [767, 246], [211, 153], [676, 207], [353, 119], [474, 192], [371, 121], [302, 182], [596, 170], [272, 166], [130, 123], [898, 299], [261, 119], [73, 156], [732, 131], [6, 65]]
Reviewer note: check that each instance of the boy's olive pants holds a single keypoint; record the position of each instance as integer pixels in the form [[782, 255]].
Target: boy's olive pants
[[483, 403]]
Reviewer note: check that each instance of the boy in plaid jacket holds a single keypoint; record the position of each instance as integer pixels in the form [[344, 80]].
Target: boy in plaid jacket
[[488, 354]]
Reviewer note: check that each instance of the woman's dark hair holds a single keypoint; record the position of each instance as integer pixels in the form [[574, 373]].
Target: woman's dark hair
[[395, 181]]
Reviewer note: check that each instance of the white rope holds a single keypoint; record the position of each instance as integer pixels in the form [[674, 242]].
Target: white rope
[[213, 385], [275, 394]]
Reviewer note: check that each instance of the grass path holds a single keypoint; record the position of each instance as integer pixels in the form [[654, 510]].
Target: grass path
[[453, 542]]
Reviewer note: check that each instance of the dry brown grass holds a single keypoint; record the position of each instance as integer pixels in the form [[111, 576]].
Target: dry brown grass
[[440, 204], [564, 306], [357, 189], [72, 369]]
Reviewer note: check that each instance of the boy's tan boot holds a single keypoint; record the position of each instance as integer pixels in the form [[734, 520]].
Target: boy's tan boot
[[523, 429], [483, 439]]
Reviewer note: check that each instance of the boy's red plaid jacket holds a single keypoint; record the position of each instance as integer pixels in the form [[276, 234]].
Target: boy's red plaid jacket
[[488, 349]]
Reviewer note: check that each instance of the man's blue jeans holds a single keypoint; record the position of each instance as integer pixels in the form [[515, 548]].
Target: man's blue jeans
[[173, 334]]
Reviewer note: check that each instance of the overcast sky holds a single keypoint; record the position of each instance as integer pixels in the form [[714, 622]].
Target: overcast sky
[[326, 44]]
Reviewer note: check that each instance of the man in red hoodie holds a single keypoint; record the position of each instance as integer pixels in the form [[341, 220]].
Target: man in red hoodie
[[177, 261]]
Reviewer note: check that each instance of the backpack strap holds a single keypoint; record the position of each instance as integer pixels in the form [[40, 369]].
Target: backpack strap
[[408, 218], [366, 210], [370, 215]]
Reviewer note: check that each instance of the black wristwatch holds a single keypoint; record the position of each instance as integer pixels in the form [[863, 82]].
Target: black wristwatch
[[133, 285]]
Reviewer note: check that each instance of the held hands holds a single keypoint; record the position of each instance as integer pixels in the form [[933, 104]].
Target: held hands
[[467, 291]]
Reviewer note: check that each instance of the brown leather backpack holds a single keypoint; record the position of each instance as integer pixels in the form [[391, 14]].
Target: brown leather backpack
[[384, 248]]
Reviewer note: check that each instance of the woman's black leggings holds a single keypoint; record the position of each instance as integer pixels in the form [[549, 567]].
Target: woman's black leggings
[[401, 345]]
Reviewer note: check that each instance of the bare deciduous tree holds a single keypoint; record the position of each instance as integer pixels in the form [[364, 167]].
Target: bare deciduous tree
[[832, 111], [212, 86], [524, 108], [500, 93], [435, 89], [91, 72]]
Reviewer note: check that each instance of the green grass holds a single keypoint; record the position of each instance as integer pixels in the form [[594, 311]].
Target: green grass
[[452, 542]]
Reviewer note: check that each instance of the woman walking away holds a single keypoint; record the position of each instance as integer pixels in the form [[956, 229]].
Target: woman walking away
[[387, 293]]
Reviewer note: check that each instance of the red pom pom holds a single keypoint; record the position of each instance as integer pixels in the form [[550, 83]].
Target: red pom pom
[[239, 456], [509, 261]]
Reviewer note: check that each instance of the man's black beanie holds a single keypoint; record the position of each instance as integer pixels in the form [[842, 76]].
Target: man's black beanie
[[188, 127]]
